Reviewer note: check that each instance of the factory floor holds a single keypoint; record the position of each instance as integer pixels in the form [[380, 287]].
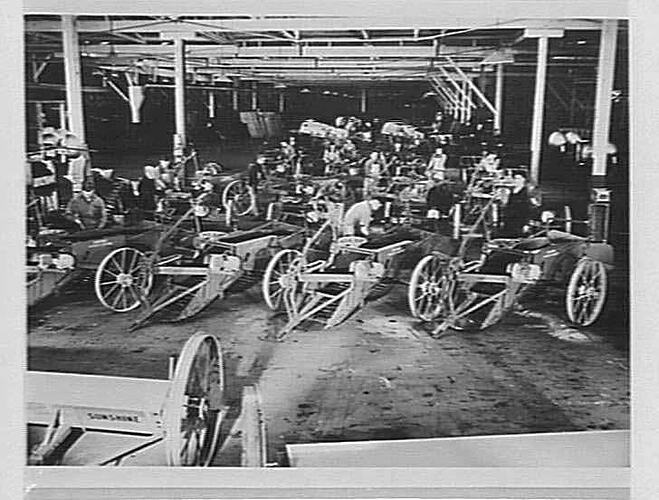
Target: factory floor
[[379, 375]]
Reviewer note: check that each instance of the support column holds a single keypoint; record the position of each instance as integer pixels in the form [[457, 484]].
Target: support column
[[538, 107], [602, 122], [62, 116], [179, 90], [465, 102], [211, 104], [72, 75], [469, 100], [254, 97], [362, 106], [234, 95], [282, 101], [498, 99]]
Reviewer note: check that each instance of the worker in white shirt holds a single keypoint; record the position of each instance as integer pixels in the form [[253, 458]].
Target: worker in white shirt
[[489, 163], [358, 218], [437, 165]]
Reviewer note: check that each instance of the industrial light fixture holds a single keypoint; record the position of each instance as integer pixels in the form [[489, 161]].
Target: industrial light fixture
[[326, 92], [280, 85], [305, 91], [221, 78], [581, 42]]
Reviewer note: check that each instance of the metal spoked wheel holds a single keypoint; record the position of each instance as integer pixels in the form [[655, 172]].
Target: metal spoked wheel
[[296, 293], [586, 292], [424, 294], [120, 280], [242, 196], [193, 408], [275, 278]]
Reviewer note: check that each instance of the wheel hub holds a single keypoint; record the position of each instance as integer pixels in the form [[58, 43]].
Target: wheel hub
[[431, 288], [125, 280], [588, 291]]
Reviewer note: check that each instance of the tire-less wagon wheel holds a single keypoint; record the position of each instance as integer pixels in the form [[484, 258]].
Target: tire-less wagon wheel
[[275, 277], [424, 294], [242, 196], [586, 292], [193, 408], [120, 280]]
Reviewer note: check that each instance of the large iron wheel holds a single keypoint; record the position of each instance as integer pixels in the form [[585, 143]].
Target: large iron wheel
[[424, 293], [586, 292], [192, 410], [275, 278], [120, 279], [240, 195]]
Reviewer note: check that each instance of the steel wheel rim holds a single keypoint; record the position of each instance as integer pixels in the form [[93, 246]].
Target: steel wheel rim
[[275, 282], [586, 292], [120, 281], [425, 290], [194, 401], [241, 195]]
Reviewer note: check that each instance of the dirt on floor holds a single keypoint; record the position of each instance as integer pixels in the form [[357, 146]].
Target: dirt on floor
[[380, 375]]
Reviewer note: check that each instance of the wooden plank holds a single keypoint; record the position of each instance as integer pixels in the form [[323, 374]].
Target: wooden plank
[[569, 449], [96, 391]]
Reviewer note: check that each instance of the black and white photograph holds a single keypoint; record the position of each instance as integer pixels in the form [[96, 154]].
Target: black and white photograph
[[297, 235]]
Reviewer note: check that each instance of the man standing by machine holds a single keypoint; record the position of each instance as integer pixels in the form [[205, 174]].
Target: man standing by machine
[[437, 165], [358, 218], [87, 209], [439, 201]]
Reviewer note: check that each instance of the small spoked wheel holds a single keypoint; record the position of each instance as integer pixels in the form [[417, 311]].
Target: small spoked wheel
[[241, 195], [275, 279], [586, 292], [424, 294], [193, 407], [120, 280]]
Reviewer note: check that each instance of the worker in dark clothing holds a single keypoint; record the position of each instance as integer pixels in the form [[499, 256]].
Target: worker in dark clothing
[[87, 209], [518, 209], [439, 201], [150, 189], [256, 172]]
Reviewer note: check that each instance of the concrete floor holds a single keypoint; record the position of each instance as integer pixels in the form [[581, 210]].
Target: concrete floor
[[377, 376]]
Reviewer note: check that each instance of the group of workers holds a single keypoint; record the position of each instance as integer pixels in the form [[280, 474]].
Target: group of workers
[[361, 168]]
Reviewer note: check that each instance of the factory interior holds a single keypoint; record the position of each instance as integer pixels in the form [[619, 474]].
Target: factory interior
[[268, 238]]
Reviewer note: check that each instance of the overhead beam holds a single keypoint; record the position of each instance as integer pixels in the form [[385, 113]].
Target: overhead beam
[[230, 54], [359, 15]]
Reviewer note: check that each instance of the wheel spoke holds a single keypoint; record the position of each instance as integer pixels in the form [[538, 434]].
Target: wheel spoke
[[115, 282], [134, 293], [110, 291], [106, 270], [116, 300], [116, 264]]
